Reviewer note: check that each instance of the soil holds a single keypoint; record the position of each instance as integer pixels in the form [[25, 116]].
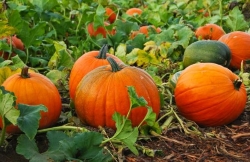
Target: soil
[[230, 143]]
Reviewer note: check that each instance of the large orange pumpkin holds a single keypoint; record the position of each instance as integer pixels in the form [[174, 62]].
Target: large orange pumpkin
[[34, 89], [103, 91], [85, 64], [210, 94], [209, 31], [238, 43]]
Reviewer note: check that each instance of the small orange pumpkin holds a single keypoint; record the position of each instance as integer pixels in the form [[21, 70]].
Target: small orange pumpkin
[[103, 91], [85, 64], [34, 89], [145, 30], [100, 30], [110, 14], [16, 43], [134, 11], [210, 94], [209, 31], [238, 43]]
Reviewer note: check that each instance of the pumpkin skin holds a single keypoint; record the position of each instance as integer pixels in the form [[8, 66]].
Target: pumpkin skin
[[34, 89], [110, 14], [85, 64], [16, 43], [210, 94], [209, 31], [134, 11], [100, 30], [103, 91], [207, 51], [145, 30], [238, 43]]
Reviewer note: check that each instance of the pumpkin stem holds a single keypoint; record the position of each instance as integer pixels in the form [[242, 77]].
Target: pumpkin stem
[[24, 72], [103, 52], [114, 66], [237, 84]]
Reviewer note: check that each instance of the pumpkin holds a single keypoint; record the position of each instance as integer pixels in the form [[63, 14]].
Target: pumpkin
[[85, 64], [238, 43], [103, 91], [207, 51], [134, 11], [34, 89], [209, 31], [16, 43], [173, 79], [99, 30], [210, 94], [145, 30], [110, 14]]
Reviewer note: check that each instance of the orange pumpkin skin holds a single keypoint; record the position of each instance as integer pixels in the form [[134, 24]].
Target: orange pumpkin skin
[[111, 15], [16, 43], [144, 30], [102, 92], [85, 64], [209, 31], [238, 43], [134, 11], [35, 90], [100, 30], [208, 94]]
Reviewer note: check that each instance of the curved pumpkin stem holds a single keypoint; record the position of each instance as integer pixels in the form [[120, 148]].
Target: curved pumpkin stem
[[237, 84], [114, 66], [24, 72], [103, 52]]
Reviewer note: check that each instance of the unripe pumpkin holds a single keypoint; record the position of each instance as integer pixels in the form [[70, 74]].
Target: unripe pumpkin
[[238, 43], [103, 91], [84, 64], [210, 94], [34, 89]]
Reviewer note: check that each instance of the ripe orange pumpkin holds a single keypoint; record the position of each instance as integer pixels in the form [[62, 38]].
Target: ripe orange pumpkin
[[134, 11], [209, 31], [34, 89], [210, 94], [145, 30], [85, 64], [238, 43], [110, 14], [100, 30], [103, 91], [16, 43]]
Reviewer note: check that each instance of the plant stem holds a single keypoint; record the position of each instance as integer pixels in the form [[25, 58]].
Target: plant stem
[[64, 127], [27, 56], [3, 132]]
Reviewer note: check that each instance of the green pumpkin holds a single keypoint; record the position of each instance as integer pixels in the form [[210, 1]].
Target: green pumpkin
[[207, 51]]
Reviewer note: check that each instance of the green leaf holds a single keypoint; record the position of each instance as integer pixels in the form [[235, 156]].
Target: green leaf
[[121, 52], [135, 101], [28, 121], [88, 144], [7, 109], [125, 132], [28, 148], [43, 5], [236, 20]]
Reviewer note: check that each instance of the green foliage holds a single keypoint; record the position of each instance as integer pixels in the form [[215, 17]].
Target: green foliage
[[236, 21], [80, 146]]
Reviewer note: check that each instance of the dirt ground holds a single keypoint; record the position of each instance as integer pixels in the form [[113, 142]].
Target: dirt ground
[[229, 143]]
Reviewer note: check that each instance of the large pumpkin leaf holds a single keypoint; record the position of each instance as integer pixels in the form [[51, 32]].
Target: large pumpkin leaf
[[77, 147], [236, 21], [28, 121]]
